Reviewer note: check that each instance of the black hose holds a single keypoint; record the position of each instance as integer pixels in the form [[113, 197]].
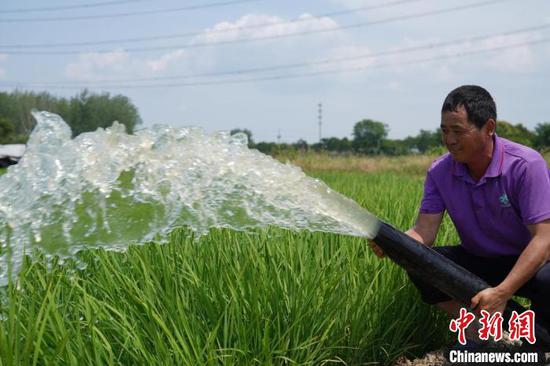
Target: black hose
[[444, 274]]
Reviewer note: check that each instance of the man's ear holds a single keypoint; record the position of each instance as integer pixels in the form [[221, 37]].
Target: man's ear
[[490, 126]]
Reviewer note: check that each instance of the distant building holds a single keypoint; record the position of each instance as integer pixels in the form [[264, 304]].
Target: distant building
[[10, 154]]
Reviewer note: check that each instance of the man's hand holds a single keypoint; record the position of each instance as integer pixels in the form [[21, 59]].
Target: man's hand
[[376, 249], [492, 300], [533, 257]]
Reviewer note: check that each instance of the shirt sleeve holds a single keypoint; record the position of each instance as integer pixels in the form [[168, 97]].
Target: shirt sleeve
[[534, 192], [431, 201]]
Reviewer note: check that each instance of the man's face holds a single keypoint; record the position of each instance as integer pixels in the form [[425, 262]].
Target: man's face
[[462, 138]]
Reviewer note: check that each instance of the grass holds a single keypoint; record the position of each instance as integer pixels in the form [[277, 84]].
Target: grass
[[413, 165], [268, 297]]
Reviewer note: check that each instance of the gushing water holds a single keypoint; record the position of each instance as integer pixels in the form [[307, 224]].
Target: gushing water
[[108, 189]]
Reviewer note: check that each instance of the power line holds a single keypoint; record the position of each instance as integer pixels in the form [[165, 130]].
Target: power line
[[257, 39], [311, 74], [196, 33], [69, 7], [127, 14], [428, 46]]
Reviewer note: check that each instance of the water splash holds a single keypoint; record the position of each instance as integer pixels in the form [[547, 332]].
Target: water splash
[[108, 189]]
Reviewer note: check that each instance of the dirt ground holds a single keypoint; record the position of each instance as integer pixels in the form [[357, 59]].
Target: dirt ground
[[437, 358], [431, 359]]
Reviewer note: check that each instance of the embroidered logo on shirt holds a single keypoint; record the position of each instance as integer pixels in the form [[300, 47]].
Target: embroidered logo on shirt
[[504, 201]]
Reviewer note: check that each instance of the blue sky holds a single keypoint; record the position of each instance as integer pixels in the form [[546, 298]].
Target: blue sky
[[403, 87]]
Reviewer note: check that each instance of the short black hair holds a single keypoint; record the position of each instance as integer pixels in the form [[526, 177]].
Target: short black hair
[[478, 103]]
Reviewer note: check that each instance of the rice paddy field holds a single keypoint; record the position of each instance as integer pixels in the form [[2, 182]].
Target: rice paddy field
[[266, 297]]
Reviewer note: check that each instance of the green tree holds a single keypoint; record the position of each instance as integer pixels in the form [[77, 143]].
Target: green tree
[[335, 144], [542, 135], [87, 112], [7, 131], [368, 136], [268, 148], [395, 147], [22, 102], [517, 133], [301, 145], [427, 140]]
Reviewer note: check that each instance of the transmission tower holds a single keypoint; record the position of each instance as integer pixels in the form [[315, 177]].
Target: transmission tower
[[320, 118]]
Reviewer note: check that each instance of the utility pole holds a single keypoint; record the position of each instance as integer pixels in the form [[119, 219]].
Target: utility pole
[[320, 118], [279, 137]]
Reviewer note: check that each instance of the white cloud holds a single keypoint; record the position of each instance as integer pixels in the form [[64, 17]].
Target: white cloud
[[388, 8], [2, 73], [401, 57], [516, 59], [119, 64], [352, 59], [161, 63], [252, 26], [3, 56], [93, 66]]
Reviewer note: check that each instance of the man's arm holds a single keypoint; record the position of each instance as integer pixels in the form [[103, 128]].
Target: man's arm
[[533, 257], [424, 230], [426, 227]]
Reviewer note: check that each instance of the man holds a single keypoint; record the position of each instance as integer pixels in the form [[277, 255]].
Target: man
[[497, 193]]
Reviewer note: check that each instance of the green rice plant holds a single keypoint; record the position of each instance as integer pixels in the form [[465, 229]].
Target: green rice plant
[[266, 297]]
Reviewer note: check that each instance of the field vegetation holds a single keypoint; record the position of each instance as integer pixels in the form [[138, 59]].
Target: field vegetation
[[410, 165], [266, 297]]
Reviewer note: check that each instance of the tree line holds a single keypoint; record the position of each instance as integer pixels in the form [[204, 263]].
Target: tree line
[[370, 137], [83, 112], [88, 111]]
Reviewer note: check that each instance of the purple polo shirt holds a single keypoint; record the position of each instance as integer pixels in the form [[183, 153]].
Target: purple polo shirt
[[491, 215]]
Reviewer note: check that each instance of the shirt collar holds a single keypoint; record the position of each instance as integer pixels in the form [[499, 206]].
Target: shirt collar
[[493, 170]]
